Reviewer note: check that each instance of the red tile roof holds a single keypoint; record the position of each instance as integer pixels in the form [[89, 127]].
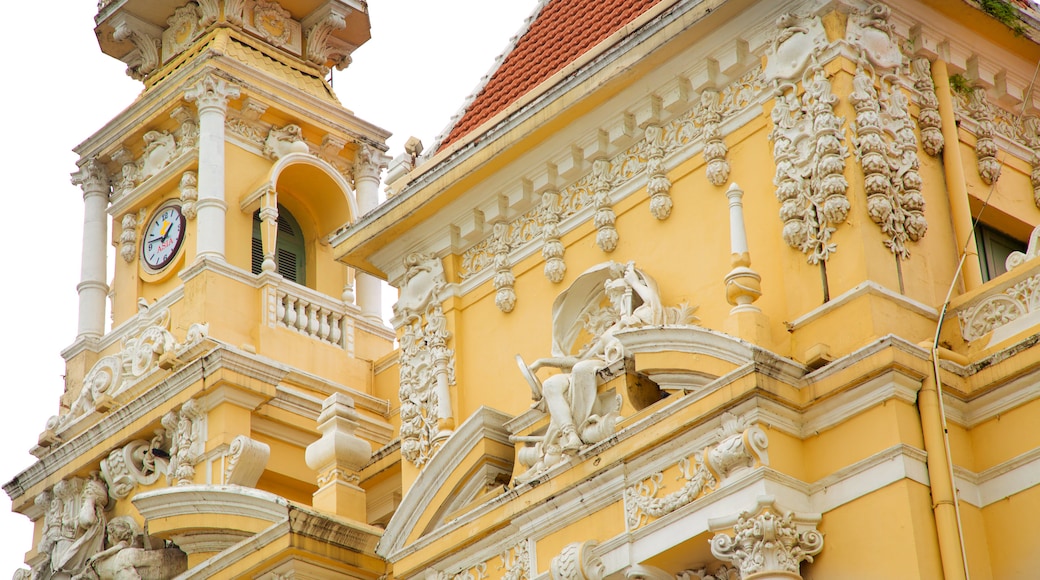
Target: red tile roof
[[562, 32]]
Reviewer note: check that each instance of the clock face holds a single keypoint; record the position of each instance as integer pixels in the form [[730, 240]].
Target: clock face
[[162, 237]]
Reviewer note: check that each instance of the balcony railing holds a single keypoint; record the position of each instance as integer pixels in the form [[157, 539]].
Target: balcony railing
[[310, 313]]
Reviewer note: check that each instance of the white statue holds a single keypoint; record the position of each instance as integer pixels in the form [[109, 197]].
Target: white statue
[[125, 559], [82, 524], [578, 416]]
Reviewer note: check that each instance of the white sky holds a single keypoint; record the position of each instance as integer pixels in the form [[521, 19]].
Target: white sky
[[424, 58]]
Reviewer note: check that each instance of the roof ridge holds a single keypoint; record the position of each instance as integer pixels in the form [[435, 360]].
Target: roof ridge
[[501, 58]]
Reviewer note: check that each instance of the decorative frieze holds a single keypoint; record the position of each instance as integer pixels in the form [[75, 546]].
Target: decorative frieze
[[658, 186], [427, 368], [985, 129], [767, 540], [577, 561], [928, 119], [505, 294], [160, 149], [708, 115], [738, 448], [542, 222], [886, 147]]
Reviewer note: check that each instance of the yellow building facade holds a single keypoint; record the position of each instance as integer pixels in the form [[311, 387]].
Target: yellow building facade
[[689, 289]]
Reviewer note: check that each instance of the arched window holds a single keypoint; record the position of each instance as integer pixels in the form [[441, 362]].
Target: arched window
[[289, 248]]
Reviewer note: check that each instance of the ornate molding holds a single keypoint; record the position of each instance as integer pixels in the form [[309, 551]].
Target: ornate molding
[[212, 93], [283, 141], [134, 464], [577, 562], [516, 562], [552, 248], [998, 310], [427, 367], [709, 116], [91, 177], [145, 38], [604, 216], [886, 147], [985, 146], [128, 237], [658, 186], [246, 460], [542, 222], [739, 447], [187, 429], [322, 47], [767, 540], [189, 194], [1030, 132], [182, 29], [928, 119], [505, 293], [151, 347]]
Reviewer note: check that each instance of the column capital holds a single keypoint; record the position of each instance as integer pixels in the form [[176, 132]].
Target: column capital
[[767, 541], [368, 162], [212, 93], [91, 177]]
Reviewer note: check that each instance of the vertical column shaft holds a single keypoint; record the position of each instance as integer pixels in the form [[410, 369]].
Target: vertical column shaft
[[93, 288], [368, 288], [211, 96]]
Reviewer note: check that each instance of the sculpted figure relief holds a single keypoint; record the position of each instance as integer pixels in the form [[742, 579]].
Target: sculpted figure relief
[[126, 559], [578, 415], [82, 524]]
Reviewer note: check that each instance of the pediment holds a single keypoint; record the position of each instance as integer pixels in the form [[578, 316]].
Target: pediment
[[475, 459]]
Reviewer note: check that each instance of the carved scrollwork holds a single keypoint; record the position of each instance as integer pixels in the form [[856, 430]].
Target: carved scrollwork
[[136, 463], [739, 447], [768, 541], [186, 429], [427, 367], [577, 561], [189, 188], [722, 572], [1031, 135], [281, 142], [516, 562], [999, 309]]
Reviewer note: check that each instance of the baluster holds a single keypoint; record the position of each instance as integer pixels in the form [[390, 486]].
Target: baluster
[[290, 311], [323, 318], [312, 316], [337, 329], [280, 307], [301, 315]]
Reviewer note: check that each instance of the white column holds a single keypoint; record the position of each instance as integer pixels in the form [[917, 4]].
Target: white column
[[211, 96], [92, 288], [367, 166]]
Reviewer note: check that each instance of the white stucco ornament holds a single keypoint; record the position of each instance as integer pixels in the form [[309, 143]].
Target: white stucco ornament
[[797, 40]]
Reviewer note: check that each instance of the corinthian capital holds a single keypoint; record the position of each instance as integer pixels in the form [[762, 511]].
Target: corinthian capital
[[212, 92], [368, 162], [91, 176], [767, 540]]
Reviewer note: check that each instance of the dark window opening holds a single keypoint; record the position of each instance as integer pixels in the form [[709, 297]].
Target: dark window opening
[[994, 248], [289, 248]]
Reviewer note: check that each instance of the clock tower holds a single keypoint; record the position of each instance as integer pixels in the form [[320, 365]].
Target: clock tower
[[224, 411]]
